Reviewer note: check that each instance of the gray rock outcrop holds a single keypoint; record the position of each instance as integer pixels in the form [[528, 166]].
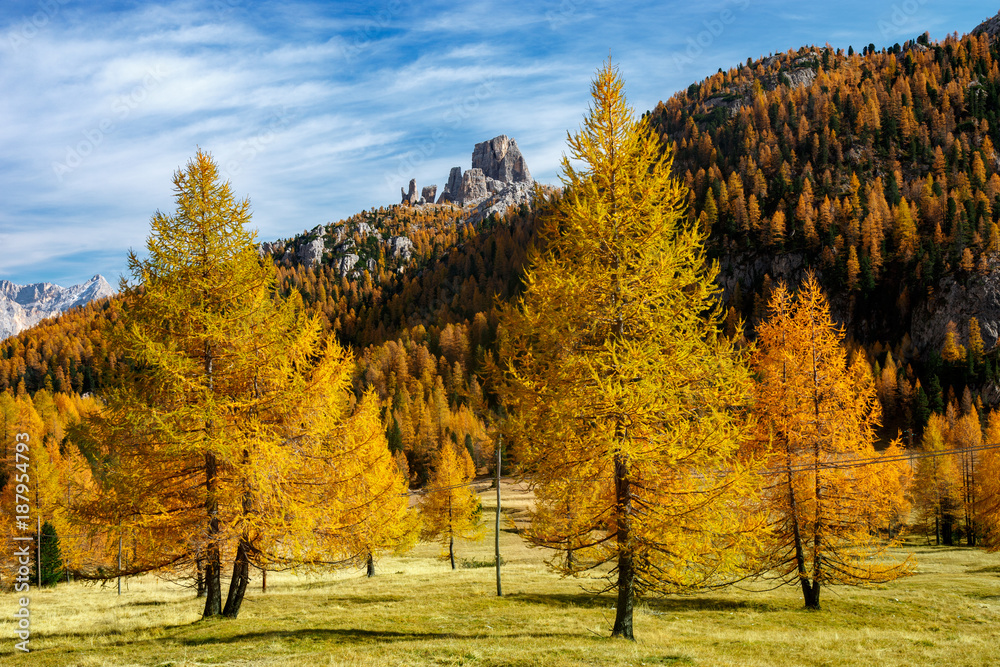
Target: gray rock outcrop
[[990, 26], [311, 253], [473, 187], [411, 196], [499, 178], [954, 302], [453, 188], [347, 263], [512, 196], [501, 160], [801, 77], [401, 247]]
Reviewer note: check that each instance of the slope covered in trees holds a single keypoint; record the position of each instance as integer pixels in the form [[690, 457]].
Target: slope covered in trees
[[878, 170]]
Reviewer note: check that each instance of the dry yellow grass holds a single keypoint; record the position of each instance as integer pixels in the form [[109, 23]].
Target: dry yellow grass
[[418, 612]]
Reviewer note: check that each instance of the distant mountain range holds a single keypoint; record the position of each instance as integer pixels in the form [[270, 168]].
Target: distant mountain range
[[23, 306]]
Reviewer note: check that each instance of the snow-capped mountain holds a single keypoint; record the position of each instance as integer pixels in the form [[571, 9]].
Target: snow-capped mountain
[[23, 306]]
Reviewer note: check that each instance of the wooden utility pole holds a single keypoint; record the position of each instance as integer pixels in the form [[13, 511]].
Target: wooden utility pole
[[119, 560], [497, 526]]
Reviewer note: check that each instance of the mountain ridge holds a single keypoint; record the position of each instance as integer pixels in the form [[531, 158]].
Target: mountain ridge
[[23, 306]]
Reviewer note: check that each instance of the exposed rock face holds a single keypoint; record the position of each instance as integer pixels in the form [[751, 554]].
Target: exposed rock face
[[801, 77], [498, 180], [513, 195], [953, 302], [501, 160], [990, 26], [347, 263], [271, 248], [311, 253], [367, 230], [24, 306], [453, 188], [473, 187], [411, 196], [401, 247]]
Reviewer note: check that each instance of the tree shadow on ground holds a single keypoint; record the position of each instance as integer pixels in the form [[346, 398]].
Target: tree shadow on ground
[[357, 636], [659, 605]]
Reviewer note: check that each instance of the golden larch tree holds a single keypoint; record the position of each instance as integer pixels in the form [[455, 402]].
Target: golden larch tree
[[623, 398], [988, 505], [832, 502], [450, 507], [935, 491], [234, 435]]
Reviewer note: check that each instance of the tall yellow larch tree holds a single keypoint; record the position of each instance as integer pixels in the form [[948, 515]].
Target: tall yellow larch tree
[[905, 231], [853, 267], [988, 504], [976, 345], [817, 417], [231, 388], [965, 437], [450, 507], [623, 398], [952, 351], [382, 522], [934, 493]]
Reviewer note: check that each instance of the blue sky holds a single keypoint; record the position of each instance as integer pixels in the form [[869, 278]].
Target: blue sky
[[316, 110]]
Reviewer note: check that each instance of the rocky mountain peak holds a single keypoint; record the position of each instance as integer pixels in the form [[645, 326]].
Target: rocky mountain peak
[[501, 160], [499, 172], [23, 306]]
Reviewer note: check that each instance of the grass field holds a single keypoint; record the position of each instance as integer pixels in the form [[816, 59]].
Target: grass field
[[417, 611]]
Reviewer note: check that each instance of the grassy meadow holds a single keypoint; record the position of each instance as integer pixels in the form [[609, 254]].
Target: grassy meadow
[[417, 611]]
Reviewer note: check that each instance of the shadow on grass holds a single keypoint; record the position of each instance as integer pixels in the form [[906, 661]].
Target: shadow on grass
[[355, 636], [660, 605], [362, 599]]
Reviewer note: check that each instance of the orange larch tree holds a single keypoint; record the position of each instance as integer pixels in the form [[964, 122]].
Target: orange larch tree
[[235, 433], [833, 503]]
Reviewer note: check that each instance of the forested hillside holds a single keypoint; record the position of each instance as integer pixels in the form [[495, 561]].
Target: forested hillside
[[876, 169]]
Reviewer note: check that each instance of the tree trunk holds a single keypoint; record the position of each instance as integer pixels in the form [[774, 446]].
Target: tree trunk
[[213, 566], [238, 584], [626, 570], [451, 536], [370, 565], [811, 594], [199, 577], [947, 521], [263, 580]]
